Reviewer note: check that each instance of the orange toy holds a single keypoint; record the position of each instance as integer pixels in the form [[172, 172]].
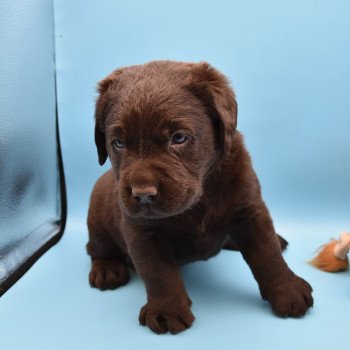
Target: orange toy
[[332, 257]]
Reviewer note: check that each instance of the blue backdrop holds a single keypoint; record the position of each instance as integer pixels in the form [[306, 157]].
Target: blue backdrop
[[287, 60], [289, 64]]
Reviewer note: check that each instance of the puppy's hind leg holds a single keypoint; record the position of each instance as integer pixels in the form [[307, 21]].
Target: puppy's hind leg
[[108, 269]]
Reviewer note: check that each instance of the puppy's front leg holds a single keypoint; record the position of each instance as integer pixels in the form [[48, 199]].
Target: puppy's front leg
[[168, 305], [288, 294]]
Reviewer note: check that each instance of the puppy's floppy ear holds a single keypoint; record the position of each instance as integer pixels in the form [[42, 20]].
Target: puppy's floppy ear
[[103, 87], [213, 89]]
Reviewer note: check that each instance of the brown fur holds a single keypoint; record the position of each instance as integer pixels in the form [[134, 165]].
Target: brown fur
[[207, 193], [326, 261]]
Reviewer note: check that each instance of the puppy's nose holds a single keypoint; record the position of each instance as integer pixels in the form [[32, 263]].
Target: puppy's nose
[[144, 195]]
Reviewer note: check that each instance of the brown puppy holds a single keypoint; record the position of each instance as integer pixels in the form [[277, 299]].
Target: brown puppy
[[181, 188]]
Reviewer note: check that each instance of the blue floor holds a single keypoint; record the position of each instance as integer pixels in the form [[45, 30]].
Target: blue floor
[[52, 306], [288, 62]]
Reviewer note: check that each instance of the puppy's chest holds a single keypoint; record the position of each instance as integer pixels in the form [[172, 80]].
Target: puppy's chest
[[198, 239]]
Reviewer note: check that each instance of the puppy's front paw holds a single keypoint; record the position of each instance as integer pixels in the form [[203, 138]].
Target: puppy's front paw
[[290, 298], [108, 274], [167, 316]]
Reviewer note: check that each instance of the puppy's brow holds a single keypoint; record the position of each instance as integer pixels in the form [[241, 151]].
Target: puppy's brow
[[115, 128], [177, 125]]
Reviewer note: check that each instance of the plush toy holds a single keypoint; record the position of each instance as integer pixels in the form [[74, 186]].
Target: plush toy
[[332, 257]]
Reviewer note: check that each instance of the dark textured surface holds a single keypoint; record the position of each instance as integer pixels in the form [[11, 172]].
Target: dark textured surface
[[29, 177]]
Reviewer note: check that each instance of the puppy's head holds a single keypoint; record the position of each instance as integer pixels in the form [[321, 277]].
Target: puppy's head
[[164, 125]]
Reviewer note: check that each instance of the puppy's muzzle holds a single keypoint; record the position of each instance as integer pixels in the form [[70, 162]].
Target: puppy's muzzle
[[144, 195]]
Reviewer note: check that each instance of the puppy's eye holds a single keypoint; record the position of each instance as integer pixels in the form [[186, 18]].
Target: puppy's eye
[[119, 144], [179, 139]]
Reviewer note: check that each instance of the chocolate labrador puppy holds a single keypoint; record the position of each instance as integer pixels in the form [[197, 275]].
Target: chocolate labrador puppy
[[181, 188]]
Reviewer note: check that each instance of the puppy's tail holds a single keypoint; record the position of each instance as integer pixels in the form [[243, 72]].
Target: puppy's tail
[[332, 257]]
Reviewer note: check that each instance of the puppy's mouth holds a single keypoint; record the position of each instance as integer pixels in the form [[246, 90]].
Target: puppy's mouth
[[148, 212], [145, 212]]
